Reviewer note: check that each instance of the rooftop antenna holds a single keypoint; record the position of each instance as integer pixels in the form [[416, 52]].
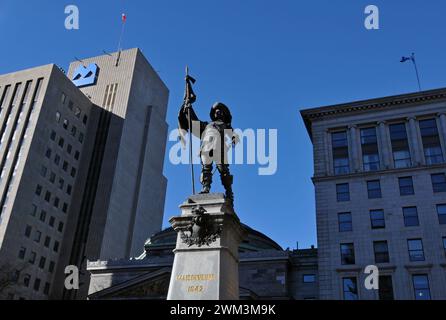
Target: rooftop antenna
[[412, 58], [123, 19]]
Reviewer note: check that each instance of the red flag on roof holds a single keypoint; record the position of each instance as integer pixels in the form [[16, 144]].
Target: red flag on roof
[[124, 17]]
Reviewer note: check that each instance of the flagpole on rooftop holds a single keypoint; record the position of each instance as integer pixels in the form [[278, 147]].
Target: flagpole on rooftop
[[412, 58], [124, 19]]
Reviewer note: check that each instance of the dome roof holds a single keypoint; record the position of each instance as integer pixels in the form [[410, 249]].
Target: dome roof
[[255, 241]]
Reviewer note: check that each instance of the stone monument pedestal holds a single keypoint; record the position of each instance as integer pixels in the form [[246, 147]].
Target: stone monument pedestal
[[206, 253]]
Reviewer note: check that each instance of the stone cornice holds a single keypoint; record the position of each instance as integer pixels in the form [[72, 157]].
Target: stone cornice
[[309, 115]]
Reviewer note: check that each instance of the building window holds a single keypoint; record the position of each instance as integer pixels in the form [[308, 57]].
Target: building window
[[47, 196], [342, 192], [47, 242], [411, 217], [381, 250], [43, 215], [350, 288], [38, 190], [77, 112], [52, 177], [65, 166], [385, 288], [309, 278], [28, 231], [345, 222], [56, 246], [347, 253], [406, 186], [53, 135], [374, 189], [61, 142], [46, 289], [438, 182], [61, 183], [37, 236], [441, 210], [48, 153], [73, 172], [377, 219], [76, 155], [416, 251], [37, 284], [444, 245], [32, 257], [56, 202], [65, 124], [69, 148], [33, 210], [85, 119], [65, 207], [51, 267], [57, 116], [81, 137], [43, 171], [22, 253], [60, 227], [400, 146], [26, 280], [57, 159], [42, 262], [339, 143], [421, 287], [51, 222], [69, 189], [431, 141], [369, 144]]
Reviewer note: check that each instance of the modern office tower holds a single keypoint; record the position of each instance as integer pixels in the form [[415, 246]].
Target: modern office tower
[[379, 177], [42, 143], [87, 183]]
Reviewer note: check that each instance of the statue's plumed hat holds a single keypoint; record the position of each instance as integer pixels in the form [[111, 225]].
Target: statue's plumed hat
[[227, 117]]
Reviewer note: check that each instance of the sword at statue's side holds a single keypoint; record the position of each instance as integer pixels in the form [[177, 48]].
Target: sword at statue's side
[[189, 98]]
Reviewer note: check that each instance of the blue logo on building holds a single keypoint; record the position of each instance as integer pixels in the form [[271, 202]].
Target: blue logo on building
[[85, 76]]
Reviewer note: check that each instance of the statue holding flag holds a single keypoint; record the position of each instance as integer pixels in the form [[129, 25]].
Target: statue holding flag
[[213, 136]]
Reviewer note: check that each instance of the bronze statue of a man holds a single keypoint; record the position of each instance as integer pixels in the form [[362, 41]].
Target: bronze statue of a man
[[212, 135]]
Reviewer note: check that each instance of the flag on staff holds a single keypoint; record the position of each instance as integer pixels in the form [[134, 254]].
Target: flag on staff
[[412, 58], [124, 18]]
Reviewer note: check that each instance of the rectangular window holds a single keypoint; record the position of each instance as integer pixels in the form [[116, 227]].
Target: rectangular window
[[342, 192], [33, 210], [61, 183], [441, 210], [77, 155], [377, 219], [56, 246], [52, 177], [32, 257], [406, 186], [57, 159], [438, 182], [42, 262], [56, 202], [48, 153], [51, 267], [38, 190], [370, 154], [37, 284], [411, 217], [73, 172], [431, 141], [28, 231], [347, 253], [43, 215], [69, 148], [47, 242], [350, 288], [69, 189], [345, 222], [22, 253], [60, 227], [416, 251], [374, 189], [46, 289], [37, 236], [65, 207], [61, 142], [421, 287], [381, 250], [26, 280], [444, 245], [385, 288], [81, 137], [309, 278], [65, 166], [53, 135], [43, 171], [339, 143], [51, 222], [47, 196], [400, 146]]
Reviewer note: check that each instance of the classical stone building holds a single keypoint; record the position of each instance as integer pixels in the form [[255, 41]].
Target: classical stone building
[[81, 162], [266, 271], [380, 184]]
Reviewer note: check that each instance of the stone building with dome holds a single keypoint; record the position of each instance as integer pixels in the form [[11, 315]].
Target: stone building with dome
[[266, 271]]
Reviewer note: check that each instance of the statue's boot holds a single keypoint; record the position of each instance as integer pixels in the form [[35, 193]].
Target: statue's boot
[[227, 180], [206, 179]]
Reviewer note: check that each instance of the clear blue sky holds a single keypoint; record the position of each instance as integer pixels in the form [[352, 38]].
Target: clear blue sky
[[266, 59]]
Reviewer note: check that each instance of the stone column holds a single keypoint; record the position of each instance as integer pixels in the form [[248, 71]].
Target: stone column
[[355, 155], [206, 254], [442, 130], [415, 144], [386, 148]]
